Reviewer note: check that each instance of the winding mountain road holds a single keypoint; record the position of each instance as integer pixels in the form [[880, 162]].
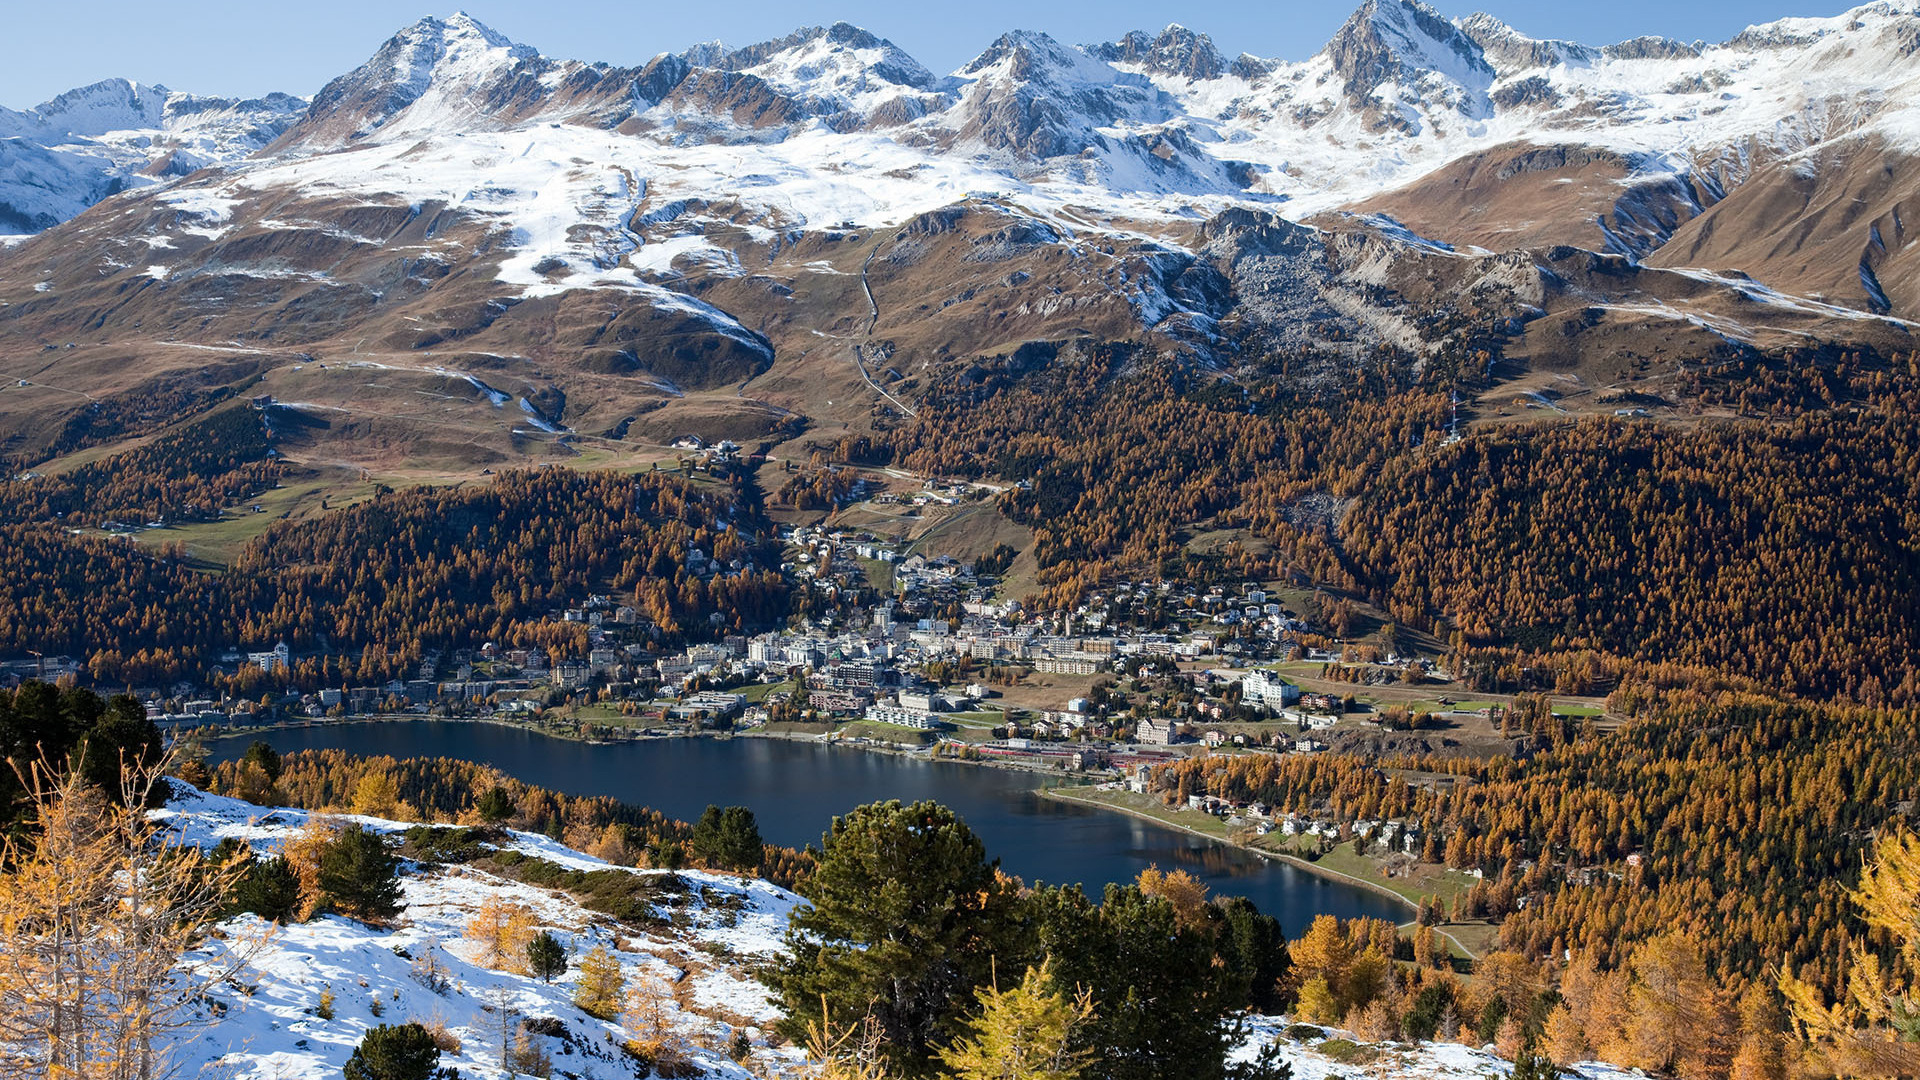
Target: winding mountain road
[[873, 319]]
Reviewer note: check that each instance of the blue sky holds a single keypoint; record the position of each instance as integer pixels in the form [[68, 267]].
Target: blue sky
[[230, 47]]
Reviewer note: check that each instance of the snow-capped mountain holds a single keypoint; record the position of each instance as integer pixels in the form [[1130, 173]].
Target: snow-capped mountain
[[754, 220], [1394, 59], [1399, 93], [441, 75], [1176, 52], [838, 69], [63, 156], [1032, 97]]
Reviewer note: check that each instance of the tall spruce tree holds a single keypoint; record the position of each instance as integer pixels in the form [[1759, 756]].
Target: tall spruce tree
[[123, 738], [360, 876], [906, 917], [1163, 994], [728, 839]]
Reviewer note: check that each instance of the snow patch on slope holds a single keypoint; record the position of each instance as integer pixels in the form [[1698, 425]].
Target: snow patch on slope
[[264, 1023]]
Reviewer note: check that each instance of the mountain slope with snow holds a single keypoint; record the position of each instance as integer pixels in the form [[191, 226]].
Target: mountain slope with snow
[[751, 223], [1138, 127], [63, 156], [698, 954]]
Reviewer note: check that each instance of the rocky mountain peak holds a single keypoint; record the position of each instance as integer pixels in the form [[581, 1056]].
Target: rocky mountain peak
[[458, 47], [1033, 56], [1175, 51], [838, 71], [1037, 98], [1510, 51], [447, 58], [840, 46], [94, 109], [1402, 41]]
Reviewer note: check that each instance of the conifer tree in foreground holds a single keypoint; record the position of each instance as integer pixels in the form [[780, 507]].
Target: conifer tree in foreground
[[728, 839], [359, 876], [546, 957], [1873, 1030], [97, 913], [394, 1052], [906, 915], [1026, 1033]]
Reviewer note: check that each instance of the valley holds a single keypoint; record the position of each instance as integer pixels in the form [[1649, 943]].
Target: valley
[[1478, 469]]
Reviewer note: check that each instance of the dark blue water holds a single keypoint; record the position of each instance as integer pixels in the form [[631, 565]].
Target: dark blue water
[[795, 789]]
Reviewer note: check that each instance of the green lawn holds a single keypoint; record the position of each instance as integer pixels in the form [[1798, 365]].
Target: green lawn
[[879, 574], [1436, 707], [874, 729], [1148, 806], [755, 693], [215, 543]]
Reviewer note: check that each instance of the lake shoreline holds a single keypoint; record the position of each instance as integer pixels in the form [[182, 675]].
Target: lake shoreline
[[794, 779], [1066, 795], [888, 749], [1060, 792]]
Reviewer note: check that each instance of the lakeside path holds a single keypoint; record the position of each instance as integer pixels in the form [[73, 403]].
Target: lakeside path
[[1087, 795]]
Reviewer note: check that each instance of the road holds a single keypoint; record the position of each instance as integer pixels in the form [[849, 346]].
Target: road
[[873, 319]]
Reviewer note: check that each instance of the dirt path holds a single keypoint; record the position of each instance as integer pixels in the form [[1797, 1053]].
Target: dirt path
[[873, 319]]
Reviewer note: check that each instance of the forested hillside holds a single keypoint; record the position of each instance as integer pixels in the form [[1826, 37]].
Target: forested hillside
[[383, 581], [1780, 545]]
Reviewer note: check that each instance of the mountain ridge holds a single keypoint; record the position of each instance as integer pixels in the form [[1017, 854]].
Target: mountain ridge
[[730, 232]]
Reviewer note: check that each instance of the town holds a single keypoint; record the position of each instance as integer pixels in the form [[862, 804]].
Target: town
[[893, 649]]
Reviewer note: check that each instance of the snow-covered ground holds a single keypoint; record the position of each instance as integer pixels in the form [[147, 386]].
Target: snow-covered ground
[[703, 954], [717, 930], [1391, 1061]]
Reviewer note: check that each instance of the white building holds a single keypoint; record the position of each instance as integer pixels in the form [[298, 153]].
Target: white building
[[904, 717], [272, 660], [1267, 690]]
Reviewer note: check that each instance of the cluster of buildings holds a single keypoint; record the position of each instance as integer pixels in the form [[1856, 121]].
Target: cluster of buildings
[[887, 627]]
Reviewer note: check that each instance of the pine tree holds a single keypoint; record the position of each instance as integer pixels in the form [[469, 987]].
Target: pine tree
[[1163, 997], [1533, 1066], [905, 917], [359, 876], [268, 888], [262, 753], [546, 957], [121, 740], [1026, 1033], [728, 839], [496, 805], [394, 1052]]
